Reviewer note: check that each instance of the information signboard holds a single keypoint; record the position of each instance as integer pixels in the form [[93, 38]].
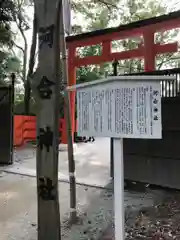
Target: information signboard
[[121, 109]]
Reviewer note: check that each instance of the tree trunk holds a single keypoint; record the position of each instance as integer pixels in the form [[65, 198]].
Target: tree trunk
[[25, 61], [27, 94], [45, 85]]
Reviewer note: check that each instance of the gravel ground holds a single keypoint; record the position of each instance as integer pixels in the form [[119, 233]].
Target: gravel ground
[[97, 218], [161, 221]]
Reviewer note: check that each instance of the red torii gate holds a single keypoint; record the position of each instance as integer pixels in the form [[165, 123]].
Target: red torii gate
[[25, 126], [148, 50]]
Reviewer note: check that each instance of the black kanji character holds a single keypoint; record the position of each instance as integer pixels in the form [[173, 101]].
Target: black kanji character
[[155, 109], [46, 189], [46, 35], [45, 138], [155, 118], [155, 101], [155, 92], [44, 88]]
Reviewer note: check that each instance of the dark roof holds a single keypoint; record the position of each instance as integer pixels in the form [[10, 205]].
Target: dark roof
[[172, 71], [142, 23]]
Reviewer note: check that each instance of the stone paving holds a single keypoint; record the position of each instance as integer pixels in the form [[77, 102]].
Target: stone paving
[[91, 159]]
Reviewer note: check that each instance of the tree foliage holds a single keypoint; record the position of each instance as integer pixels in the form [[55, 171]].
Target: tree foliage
[[90, 8], [138, 10], [22, 19], [8, 61], [97, 14], [100, 15]]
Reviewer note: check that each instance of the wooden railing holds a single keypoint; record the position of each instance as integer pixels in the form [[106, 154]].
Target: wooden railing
[[25, 129]]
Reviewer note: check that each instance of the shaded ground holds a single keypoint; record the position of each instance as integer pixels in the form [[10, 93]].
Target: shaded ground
[[161, 221], [158, 222]]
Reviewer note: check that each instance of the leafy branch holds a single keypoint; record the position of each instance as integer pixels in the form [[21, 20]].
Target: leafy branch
[[107, 4], [165, 58], [19, 47]]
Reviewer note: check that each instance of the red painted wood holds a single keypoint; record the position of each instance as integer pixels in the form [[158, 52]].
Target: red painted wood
[[106, 49], [25, 129], [71, 81], [166, 48], [135, 53], [149, 51]]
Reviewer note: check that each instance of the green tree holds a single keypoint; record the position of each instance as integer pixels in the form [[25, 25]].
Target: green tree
[[8, 61], [6, 8], [90, 8], [22, 20]]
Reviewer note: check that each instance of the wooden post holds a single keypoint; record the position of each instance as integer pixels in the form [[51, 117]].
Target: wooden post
[[46, 88], [71, 162]]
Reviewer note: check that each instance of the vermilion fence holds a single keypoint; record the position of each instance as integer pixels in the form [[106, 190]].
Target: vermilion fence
[[25, 129]]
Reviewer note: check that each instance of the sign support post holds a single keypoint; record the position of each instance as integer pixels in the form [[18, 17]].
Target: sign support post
[[115, 73], [120, 107], [118, 188]]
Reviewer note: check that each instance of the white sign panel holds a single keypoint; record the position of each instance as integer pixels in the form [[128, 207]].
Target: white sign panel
[[121, 109]]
